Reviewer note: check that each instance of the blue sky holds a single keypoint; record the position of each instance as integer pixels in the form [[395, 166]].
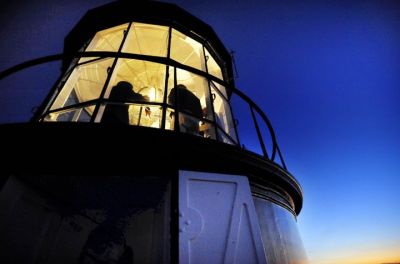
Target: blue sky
[[326, 73]]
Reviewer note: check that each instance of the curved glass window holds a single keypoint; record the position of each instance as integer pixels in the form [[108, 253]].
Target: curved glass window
[[78, 114], [106, 40], [187, 51], [147, 39], [140, 92], [85, 83], [197, 85], [223, 115], [220, 88], [131, 114], [212, 66], [147, 78]]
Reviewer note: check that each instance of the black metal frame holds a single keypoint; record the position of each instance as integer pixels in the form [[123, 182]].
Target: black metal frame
[[205, 45]]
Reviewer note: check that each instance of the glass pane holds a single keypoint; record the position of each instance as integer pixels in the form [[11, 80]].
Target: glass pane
[[188, 124], [147, 78], [171, 84], [187, 51], [145, 115], [85, 83], [223, 138], [220, 88], [207, 130], [147, 39], [223, 113], [193, 93], [169, 120], [132, 114], [106, 40], [212, 66], [72, 115]]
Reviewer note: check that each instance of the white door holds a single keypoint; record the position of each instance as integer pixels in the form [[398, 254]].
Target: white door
[[217, 220]]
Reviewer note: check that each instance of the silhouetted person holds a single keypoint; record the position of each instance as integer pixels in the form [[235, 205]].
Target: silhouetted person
[[189, 103], [119, 113]]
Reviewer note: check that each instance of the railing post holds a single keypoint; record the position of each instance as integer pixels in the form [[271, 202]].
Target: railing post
[[259, 133], [281, 158]]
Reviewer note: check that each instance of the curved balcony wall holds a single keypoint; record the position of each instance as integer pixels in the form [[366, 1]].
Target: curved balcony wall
[[284, 242], [150, 100]]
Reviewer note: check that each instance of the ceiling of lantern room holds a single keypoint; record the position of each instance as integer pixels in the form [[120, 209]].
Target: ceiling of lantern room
[[187, 51], [147, 39]]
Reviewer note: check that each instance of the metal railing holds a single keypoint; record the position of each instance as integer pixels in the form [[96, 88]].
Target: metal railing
[[254, 108]]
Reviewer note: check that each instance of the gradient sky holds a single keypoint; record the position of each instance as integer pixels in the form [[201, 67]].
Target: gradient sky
[[326, 73]]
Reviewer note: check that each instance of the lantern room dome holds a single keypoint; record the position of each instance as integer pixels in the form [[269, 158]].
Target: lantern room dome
[[150, 64], [147, 12]]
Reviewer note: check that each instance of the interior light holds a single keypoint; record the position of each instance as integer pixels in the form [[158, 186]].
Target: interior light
[[193, 43], [184, 77], [152, 93]]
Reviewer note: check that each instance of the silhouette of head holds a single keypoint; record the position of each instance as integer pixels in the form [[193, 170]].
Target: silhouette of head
[[124, 84], [181, 86], [121, 91]]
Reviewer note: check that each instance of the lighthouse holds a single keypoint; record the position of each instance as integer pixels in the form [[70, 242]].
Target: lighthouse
[[135, 155]]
